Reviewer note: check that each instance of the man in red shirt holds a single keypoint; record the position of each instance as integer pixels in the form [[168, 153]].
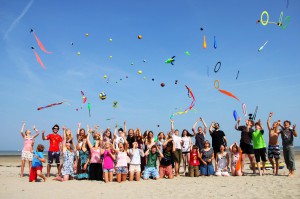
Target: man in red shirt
[[54, 149]]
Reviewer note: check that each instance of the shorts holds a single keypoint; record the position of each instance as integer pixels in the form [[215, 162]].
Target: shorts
[[33, 173], [27, 155], [274, 151], [121, 170], [108, 170], [194, 171], [165, 171], [185, 152], [207, 169], [53, 155], [135, 168], [177, 155], [260, 153], [150, 171], [247, 148]]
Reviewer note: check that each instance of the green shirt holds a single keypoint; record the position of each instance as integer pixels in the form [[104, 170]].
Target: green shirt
[[152, 158], [258, 139]]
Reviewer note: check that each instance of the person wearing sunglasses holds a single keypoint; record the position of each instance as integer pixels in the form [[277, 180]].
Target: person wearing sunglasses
[[54, 149]]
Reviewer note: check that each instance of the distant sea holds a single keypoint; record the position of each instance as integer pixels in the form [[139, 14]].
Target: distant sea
[[18, 153]]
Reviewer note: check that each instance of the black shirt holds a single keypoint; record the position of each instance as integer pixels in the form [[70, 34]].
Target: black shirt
[[200, 140], [217, 138], [246, 136]]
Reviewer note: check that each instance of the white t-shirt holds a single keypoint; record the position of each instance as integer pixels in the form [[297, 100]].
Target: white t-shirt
[[119, 140], [186, 144], [177, 141], [136, 157]]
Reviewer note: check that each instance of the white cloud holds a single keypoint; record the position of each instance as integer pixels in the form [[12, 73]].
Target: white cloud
[[16, 21]]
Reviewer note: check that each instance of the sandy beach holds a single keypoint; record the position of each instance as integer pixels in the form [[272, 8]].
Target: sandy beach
[[267, 186]]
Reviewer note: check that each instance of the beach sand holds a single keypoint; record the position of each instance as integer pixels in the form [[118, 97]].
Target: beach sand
[[267, 186]]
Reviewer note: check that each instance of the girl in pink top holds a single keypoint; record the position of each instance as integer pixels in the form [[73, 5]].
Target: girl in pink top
[[108, 162], [28, 146], [121, 167], [95, 172]]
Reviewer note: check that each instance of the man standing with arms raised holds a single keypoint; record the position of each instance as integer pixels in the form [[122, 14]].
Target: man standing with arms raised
[[54, 148]]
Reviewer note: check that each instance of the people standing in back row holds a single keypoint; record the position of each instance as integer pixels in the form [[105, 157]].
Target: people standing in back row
[[54, 148], [177, 153], [218, 137], [287, 136], [273, 149], [246, 143], [200, 134]]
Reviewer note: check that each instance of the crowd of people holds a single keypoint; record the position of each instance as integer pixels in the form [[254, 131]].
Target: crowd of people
[[101, 155]]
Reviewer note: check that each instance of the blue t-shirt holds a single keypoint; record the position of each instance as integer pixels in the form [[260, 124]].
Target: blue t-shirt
[[35, 161]]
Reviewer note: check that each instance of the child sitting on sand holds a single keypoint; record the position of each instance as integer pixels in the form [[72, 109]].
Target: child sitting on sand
[[222, 162], [135, 162], [150, 168], [37, 164], [121, 166], [235, 153]]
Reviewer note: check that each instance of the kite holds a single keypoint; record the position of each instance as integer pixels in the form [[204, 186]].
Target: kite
[[217, 85], [40, 43], [244, 109], [38, 58], [140, 72], [215, 42], [89, 107], [50, 105], [253, 116], [237, 75], [262, 47], [187, 53], [170, 60], [235, 115], [176, 81], [201, 29], [217, 69], [190, 93], [162, 84], [204, 42], [139, 36], [83, 97]]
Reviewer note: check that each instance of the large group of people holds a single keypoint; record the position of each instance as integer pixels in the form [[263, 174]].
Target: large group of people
[[101, 155]]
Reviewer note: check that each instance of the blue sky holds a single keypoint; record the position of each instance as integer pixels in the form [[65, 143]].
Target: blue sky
[[267, 79]]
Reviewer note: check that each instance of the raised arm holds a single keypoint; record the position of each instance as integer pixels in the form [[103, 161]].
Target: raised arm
[[22, 129], [78, 130], [194, 127], [204, 125], [237, 123], [211, 127], [172, 126], [43, 135], [88, 141], [160, 154], [37, 132], [125, 129], [268, 121], [294, 129]]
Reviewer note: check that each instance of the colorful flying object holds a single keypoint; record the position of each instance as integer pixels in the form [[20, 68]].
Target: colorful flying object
[[83, 97], [244, 109], [235, 115], [50, 105], [187, 53], [191, 105], [217, 85], [170, 60], [38, 58], [262, 47], [204, 42], [115, 105], [39, 43], [102, 96], [215, 42], [89, 107]]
